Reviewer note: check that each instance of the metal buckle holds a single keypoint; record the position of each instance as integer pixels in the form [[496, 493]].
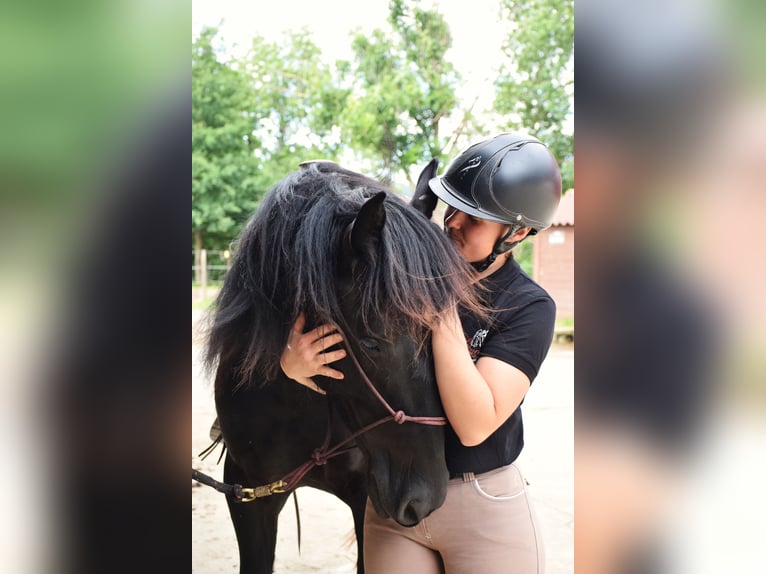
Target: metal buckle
[[250, 494]]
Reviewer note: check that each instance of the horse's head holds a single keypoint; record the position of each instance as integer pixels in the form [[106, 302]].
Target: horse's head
[[407, 473]]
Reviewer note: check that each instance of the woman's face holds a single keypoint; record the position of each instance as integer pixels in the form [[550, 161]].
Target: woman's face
[[474, 237]]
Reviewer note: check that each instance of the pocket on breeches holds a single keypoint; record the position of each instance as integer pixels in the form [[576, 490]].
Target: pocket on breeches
[[500, 485]]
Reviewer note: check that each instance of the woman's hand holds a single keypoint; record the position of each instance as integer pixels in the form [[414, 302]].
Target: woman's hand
[[306, 356]]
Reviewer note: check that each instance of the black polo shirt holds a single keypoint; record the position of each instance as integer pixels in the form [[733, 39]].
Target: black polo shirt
[[519, 333]]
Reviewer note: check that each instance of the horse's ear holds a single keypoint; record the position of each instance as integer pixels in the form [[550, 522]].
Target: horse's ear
[[424, 200], [366, 228]]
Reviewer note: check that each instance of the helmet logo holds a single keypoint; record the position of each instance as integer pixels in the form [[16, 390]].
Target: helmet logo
[[472, 163]]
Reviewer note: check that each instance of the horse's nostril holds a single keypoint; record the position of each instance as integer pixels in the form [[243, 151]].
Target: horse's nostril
[[412, 512]]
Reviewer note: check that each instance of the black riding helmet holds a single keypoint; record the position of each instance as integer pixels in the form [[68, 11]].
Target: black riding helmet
[[510, 178]]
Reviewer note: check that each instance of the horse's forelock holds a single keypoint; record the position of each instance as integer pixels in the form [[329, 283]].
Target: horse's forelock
[[419, 275]]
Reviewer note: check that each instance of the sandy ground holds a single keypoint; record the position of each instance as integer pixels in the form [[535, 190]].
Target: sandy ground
[[327, 527]]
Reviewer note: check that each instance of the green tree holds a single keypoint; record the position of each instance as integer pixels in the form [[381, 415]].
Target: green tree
[[298, 104], [524, 253], [224, 189], [535, 86], [404, 87]]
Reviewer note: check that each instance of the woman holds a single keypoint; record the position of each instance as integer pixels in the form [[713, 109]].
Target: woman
[[498, 192]]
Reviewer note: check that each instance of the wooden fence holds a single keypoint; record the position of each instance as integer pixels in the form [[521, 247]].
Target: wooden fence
[[209, 268]]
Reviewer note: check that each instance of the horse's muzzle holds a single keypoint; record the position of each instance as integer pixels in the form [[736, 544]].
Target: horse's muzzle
[[412, 503]]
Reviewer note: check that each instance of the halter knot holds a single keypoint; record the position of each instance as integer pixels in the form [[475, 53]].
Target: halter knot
[[319, 457], [400, 417]]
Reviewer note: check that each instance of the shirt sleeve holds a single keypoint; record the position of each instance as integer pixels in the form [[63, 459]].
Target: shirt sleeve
[[523, 336]]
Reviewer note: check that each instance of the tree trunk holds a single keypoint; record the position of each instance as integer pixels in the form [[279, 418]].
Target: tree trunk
[[409, 180], [197, 252]]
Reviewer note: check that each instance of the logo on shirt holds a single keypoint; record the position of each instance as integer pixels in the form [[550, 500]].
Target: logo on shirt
[[474, 345]]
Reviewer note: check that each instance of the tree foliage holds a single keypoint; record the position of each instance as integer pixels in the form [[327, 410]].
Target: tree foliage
[[535, 86], [223, 171], [403, 88], [253, 121], [298, 101], [256, 118]]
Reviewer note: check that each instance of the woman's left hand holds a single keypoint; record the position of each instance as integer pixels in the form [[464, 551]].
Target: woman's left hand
[[306, 354]]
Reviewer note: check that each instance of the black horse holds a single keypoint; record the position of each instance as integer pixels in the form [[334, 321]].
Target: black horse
[[338, 247]]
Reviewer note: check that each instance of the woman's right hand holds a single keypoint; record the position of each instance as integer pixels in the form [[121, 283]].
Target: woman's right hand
[[306, 356]]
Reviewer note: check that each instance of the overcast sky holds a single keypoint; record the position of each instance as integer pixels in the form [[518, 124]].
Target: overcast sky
[[475, 26]]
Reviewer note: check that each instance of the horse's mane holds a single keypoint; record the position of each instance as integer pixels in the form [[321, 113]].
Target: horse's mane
[[286, 262]]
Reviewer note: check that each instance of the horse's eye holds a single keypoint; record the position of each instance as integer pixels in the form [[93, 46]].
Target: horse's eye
[[369, 343]]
